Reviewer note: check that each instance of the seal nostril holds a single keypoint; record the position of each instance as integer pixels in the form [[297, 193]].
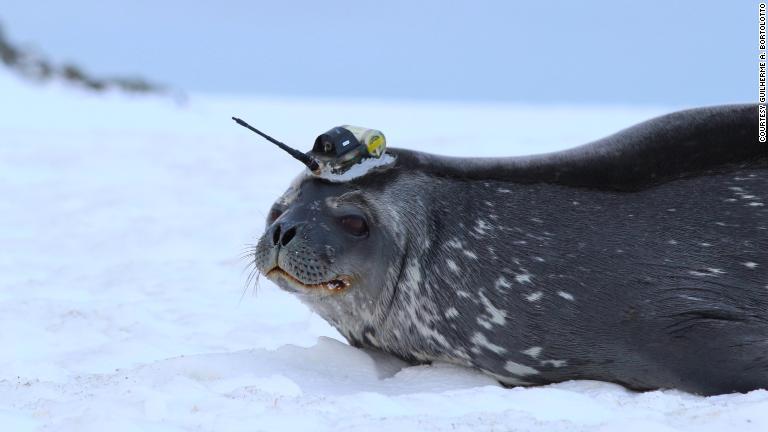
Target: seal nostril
[[276, 235], [288, 235]]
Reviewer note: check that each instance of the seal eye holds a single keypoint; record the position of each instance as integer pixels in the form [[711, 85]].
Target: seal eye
[[355, 225]]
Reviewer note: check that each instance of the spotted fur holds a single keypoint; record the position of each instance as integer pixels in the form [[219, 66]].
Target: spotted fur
[[536, 270]]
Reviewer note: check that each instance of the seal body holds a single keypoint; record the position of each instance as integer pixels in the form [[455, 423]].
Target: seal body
[[639, 259]]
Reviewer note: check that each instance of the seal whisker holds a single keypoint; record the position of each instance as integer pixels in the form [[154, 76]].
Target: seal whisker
[[261, 213], [250, 263], [253, 277], [247, 250]]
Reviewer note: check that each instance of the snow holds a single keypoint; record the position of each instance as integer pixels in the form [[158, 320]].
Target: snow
[[123, 297]]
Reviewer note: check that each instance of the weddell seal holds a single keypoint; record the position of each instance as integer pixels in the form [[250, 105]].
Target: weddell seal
[[639, 259]]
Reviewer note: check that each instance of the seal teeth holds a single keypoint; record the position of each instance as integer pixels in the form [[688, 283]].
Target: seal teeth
[[335, 284]]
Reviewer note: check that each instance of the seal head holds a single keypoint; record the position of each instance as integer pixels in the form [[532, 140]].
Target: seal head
[[326, 242]]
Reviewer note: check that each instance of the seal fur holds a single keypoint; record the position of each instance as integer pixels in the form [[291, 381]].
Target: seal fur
[[637, 259]]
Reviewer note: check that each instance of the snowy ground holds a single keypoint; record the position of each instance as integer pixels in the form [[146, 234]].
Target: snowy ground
[[123, 303]]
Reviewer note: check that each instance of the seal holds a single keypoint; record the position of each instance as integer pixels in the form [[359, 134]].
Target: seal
[[639, 259]]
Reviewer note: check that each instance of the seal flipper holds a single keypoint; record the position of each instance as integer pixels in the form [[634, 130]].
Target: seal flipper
[[683, 144]]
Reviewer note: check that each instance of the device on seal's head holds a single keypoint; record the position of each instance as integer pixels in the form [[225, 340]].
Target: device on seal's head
[[336, 150], [344, 146]]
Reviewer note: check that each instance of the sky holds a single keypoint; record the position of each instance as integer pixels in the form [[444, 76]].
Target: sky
[[654, 52]]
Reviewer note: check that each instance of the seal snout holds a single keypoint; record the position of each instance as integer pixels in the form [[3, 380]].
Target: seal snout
[[282, 235], [288, 255]]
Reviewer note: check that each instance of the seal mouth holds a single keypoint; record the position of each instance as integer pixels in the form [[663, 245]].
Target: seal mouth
[[337, 284]]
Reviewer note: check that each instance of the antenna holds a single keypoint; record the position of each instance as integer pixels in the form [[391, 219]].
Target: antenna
[[301, 157]]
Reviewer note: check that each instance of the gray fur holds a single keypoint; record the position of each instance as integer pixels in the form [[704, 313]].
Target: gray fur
[[663, 284]]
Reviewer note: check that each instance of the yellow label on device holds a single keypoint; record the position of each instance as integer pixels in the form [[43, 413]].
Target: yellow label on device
[[375, 145], [372, 139]]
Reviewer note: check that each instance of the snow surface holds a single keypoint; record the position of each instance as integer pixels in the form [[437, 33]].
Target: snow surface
[[124, 305]]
